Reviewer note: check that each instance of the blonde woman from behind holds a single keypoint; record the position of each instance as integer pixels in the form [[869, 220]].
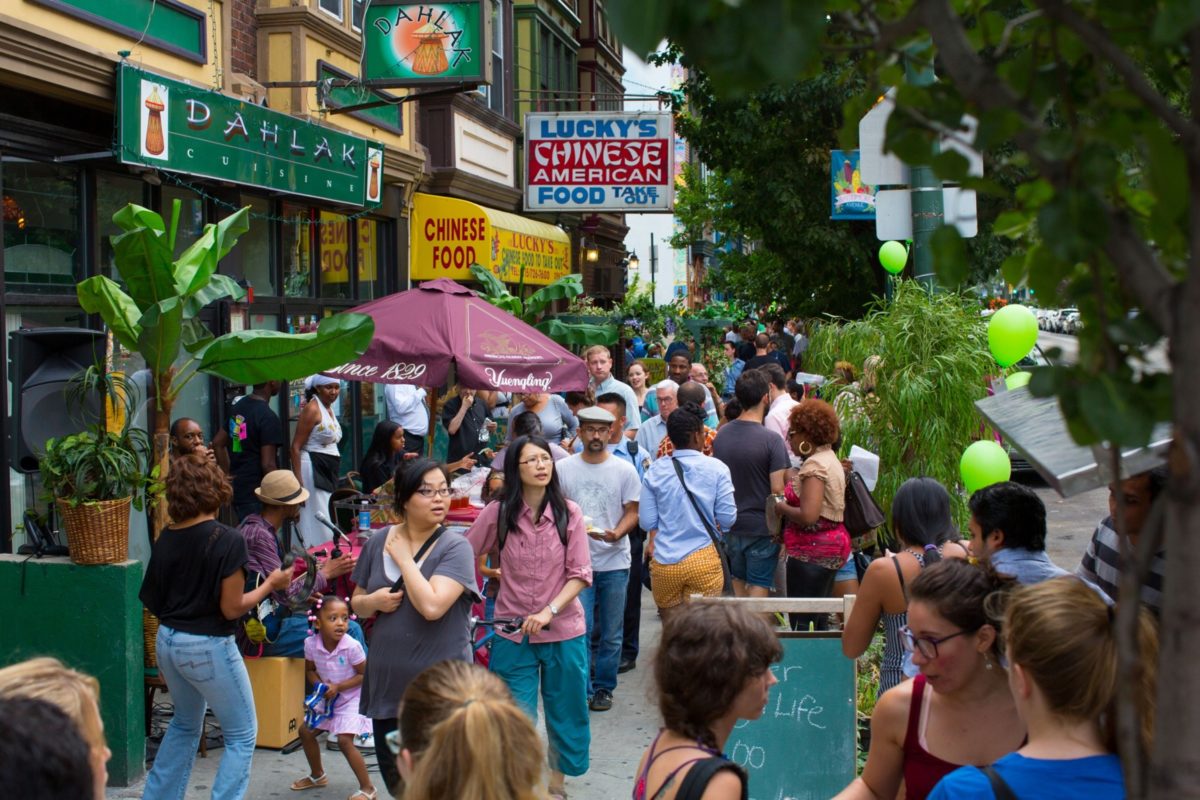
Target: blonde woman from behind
[[461, 735], [77, 694]]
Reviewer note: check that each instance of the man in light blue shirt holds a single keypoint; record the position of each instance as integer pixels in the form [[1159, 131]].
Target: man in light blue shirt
[[599, 364], [651, 434], [405, 405], [684, 560]]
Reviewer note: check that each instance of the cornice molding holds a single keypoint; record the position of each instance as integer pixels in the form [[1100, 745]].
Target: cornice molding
[[41, 61], [307, 18]]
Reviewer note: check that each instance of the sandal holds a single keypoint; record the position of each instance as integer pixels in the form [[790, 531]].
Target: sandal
[[557, 794], [310, 782], [365, 795]]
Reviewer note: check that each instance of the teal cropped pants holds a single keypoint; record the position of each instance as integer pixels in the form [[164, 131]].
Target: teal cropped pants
[[561, 670]]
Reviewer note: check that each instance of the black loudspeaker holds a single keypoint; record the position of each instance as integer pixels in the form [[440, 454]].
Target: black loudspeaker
[[43, 362]]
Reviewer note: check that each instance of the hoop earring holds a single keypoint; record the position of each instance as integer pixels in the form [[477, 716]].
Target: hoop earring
[[805, 448]]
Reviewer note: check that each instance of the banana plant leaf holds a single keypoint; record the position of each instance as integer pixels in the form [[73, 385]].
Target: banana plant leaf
[[578, 334], [198, 263], [142, 256], [101, 295], [568, 287], [160, 337], [253, 357], [219, 286]]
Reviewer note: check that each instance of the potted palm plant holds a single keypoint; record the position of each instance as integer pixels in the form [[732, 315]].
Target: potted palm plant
[[96, 475]]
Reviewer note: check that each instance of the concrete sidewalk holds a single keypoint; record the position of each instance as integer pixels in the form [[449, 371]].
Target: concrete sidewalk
[[618, 738]]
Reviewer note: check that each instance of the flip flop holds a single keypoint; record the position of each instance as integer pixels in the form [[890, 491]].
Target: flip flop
[[310, 782], [371, 795]]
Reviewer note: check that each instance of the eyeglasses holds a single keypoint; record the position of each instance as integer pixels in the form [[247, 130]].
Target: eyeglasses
[[927, 646], [536, 460], [595, 430], [426, 491], [393, 742]]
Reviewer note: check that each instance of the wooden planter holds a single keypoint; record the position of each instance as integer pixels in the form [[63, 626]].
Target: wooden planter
[[97, 533]]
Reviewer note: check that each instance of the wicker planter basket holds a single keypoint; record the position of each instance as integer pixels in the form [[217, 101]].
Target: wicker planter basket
[[97, 533]]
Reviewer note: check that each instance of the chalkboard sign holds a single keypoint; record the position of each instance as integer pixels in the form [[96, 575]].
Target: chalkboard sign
[[803, 746]]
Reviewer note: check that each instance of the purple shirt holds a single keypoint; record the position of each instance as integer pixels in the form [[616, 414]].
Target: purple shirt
[[536, 567], [262, 551]]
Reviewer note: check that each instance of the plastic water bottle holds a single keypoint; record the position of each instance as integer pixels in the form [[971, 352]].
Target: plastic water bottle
[[364, 517]]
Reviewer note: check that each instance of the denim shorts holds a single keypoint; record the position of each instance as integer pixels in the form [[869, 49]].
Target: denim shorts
[[848, 572], [752, 559]]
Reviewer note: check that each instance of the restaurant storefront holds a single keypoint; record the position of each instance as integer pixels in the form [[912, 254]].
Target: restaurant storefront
[[83, 133]]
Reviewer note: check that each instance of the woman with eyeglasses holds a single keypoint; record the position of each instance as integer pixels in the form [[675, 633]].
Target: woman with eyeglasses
[[417, 580], [1062, 656], [922, 523], [958, 711], [543, 553]]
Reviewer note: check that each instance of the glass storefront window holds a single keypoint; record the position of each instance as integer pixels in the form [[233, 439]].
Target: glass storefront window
[[114, 192], [296, 251], [43, 249], [370, 260], [333, 234], [250, 260], [191, 215]]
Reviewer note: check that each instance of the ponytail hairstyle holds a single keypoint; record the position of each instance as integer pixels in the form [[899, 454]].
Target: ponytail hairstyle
[[467, 737], [964, 594], [921, 516], [1061, 634]]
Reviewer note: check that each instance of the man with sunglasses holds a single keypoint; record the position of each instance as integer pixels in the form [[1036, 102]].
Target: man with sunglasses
[[607, 489]]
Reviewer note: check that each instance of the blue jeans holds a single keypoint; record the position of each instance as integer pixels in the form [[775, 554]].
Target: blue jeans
[[288, 639], [604, 609], [203, 671]]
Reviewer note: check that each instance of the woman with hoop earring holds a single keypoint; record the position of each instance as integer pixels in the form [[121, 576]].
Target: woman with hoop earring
[[813, 507]]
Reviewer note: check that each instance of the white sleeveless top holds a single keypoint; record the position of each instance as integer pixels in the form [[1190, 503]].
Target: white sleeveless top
[[325, 435]]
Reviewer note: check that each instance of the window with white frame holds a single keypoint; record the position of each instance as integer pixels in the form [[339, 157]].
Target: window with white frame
[[331, 7], [357, 13], [494, 94]]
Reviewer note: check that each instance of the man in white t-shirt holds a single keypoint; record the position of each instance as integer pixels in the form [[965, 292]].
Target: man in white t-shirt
[[405, 405], [607, 489]]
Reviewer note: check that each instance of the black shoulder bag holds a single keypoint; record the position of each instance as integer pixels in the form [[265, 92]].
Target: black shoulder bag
[[727, 589], [421, 551], [697, 778], [999, 788]]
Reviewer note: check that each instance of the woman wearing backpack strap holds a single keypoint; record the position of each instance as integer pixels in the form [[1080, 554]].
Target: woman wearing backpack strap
[[543, 567], [713, 668]]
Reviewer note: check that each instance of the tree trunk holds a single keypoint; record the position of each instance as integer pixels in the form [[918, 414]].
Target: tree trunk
[[161, 447]]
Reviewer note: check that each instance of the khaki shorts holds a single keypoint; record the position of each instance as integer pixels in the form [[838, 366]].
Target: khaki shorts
[[698, 573]]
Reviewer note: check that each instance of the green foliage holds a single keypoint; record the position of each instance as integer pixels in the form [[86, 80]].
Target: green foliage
[[156, 314], [532, 310], [935, 365], [99, 463]]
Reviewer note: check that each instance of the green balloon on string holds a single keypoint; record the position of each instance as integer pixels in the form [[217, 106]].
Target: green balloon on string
[[1017, 380], [1012, 333], [984, 463], [893, 256]]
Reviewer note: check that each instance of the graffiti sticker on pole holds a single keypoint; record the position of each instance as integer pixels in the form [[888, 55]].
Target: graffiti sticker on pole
[[599, 161]]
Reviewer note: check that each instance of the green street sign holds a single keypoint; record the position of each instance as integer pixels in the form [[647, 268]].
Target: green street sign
[[422, 44], [174, 126]]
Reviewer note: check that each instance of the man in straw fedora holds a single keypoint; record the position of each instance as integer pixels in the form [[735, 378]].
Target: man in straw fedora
[[280, 496]]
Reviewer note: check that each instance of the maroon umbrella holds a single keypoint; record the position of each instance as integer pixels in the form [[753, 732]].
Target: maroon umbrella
[[419, 333]]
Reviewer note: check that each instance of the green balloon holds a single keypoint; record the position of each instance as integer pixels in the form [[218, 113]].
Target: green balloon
[[984, 463], [1017, 380], [1012, 333], [893, 256]]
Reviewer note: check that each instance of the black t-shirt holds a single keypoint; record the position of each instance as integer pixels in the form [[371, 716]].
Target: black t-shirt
[[746, 351], [182, 586], [251, 425], [760, 361], [467, 439]]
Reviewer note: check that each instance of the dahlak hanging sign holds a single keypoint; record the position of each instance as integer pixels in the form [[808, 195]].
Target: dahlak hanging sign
[[171, 125], [419, 44], [599, 161]]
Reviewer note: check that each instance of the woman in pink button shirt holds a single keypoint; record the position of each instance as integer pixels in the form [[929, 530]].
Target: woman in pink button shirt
[[541, 576]]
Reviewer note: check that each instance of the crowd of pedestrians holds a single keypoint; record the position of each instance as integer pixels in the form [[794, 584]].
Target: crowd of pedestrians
[[679, 486]]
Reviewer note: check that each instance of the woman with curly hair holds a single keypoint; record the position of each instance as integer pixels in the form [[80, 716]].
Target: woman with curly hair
[[196, 585], [813, 507], [712, 669], [461, 735]]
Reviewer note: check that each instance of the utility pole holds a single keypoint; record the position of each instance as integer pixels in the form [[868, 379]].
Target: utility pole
[[926, 189], [653, 269]]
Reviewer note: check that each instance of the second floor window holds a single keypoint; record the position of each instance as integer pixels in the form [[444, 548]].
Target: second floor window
[[332, 7]]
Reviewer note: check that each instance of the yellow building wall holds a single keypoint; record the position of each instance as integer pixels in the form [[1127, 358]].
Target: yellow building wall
[[91, 37]]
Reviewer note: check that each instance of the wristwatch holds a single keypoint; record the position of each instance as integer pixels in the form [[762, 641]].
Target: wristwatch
[[553, 609]]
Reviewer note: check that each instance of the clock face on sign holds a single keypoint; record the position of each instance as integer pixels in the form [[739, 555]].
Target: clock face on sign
[[423, 42]]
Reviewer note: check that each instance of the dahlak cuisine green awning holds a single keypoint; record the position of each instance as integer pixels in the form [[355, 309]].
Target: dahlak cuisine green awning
[[1035, 426]]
